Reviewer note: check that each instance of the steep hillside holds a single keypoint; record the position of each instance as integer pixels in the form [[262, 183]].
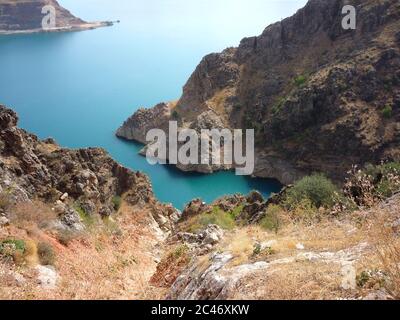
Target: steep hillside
[[319, 97]]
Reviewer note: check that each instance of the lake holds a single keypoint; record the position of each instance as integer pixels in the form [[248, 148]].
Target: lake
[[79, 87]]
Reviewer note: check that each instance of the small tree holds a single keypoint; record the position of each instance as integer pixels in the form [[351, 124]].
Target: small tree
[[317, 188]]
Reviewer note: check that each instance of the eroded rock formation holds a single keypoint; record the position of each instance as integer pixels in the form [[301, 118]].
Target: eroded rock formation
[[319, 97]]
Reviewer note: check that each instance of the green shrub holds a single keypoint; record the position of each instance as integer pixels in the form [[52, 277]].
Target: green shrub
[[11, 247], [387, 112], [237, 211], [385, 178], [117, 201], [219, 217], [46, 254], [18, 244], [300, 80], [271, 221], [317, 188], [86, 218]]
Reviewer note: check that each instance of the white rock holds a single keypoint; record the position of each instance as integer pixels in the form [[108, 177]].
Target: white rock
[[300, 246], [64, 197], [4, 221], [47, 277]]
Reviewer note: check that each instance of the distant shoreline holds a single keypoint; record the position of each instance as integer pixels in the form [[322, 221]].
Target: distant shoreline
[[78, 27]]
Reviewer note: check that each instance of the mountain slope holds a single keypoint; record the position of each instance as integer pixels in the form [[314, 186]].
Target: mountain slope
[[319, 97]]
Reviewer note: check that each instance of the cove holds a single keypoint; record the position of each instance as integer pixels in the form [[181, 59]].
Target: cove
[[79, 87]]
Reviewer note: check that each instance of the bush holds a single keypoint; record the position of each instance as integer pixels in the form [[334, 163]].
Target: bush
[[225, 220], [86, 218], [219, 217], [237, 211], [271, 221], [8, 247], [46, 254], [387, 112], [366, 187], [20, 251], [317, 188], [300, 80], [117, 201]]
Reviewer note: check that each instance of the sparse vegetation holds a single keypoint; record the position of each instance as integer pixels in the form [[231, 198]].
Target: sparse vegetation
[[117, 201], [32, 213], [9, 247], [219, 217], [367, 186], [65, 237], [387, 112], [272, 221], [46, 254], [300, 80], [5, 201], [278, 105], [87, 219], [171, 266], [21, 251]]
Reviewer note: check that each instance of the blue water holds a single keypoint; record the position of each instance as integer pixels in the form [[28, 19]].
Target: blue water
[[79, 87]]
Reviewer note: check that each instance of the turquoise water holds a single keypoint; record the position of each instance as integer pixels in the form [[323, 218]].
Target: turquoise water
[[79, 87]]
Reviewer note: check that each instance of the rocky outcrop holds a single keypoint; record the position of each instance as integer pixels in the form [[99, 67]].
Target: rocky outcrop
[[319, 97], [86, 178], [26, 17], [220, 280]]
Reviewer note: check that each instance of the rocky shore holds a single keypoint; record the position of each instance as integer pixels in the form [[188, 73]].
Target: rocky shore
[[88, 179]]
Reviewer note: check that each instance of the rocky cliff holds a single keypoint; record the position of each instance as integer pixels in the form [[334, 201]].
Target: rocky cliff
[[25, 16], [319, 97], [73, 181]]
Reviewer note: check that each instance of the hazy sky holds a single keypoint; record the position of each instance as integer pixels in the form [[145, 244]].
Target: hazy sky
[[228, 21]]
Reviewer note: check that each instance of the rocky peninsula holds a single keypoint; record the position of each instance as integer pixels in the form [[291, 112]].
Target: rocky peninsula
[[20, 17]]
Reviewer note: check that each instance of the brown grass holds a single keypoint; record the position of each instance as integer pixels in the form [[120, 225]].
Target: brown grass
[[102, 265], [171, 266], [27, 214], [386, 241]]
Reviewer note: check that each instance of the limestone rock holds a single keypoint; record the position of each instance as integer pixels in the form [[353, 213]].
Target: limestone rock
[[47, 277]]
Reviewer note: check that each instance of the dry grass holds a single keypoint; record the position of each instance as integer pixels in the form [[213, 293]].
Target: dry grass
[[101, 265], [385, 238], [171, 266], [299, 281], [28, 214], [327, 235]]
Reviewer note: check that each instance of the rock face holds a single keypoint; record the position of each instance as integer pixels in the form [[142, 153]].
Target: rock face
[[26, 16], [319, 97], [220, 280], [88, 178]]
